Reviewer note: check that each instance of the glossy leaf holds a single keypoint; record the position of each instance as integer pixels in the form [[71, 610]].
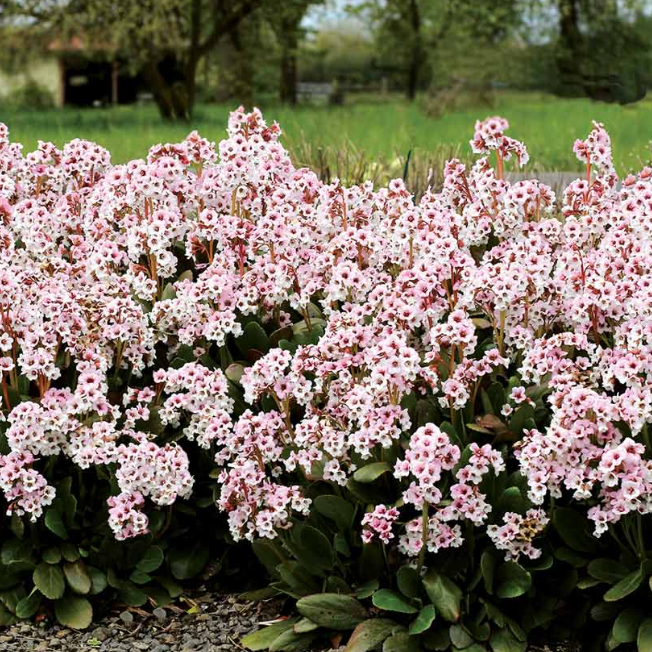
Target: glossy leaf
[[369, 634], [74, 612], [332, 610], [644, 636], [49, 580], [151, 560], [391, 601], [444, 594], [371, 472], [424, 620], [77, 577], [401, 642], [54, 523], [625, 587], [512, 580]]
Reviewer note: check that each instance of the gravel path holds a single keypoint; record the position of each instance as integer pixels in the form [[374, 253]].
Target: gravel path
[[215, 625]]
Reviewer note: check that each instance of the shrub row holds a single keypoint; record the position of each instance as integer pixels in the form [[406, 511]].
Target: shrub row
[[428, 420]]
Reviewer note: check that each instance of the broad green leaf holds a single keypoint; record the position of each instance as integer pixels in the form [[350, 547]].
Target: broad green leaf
[[605, 611], [444, 594], [487, 565], [423, 621], [49, 580], [138, 577], [401, 642], [98, 580], [644, 636], [151, 560], [263, 638], [173, 588], [511, 500], [234, 372], [291, 641], [520, 417], [168, 292], [254, 338], [298, 579], [304, 626], [409, 582], [52, 555], [29, 605], [575, 559], [502, 640], [66, 500], [607, 570], [573, 528], [6, 617], [625, 587], [626, 626], [160, 596], [74, 611], [316, 551], [188, 562], [366, 589], [512, 580], [371, 472], [133, 596], [267, 555], [54, 523], [77, 577], [392, 601], [17, 555], [332, 610], [460, 638], [11, 597], [337, 509], [370, 634], [69, 551], [479, 631]]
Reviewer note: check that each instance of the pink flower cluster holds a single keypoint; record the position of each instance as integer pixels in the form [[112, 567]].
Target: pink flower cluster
[[516, 534], [123, 289]]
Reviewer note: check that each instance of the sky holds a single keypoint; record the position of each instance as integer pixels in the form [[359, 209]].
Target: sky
[[331, 12]]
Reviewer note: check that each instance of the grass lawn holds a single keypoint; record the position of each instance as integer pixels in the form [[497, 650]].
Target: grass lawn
[[547, 124]]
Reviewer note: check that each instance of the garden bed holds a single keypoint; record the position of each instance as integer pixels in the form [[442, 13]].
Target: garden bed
[[215, 623], [427, 419]]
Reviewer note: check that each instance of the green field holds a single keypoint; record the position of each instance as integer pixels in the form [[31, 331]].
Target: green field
[[548, 125]]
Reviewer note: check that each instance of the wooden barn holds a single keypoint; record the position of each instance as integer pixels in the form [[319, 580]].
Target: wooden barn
[[76, 73]]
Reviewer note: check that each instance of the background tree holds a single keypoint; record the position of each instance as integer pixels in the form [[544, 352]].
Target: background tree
[[411, 34], [285, 18], [163, 39]]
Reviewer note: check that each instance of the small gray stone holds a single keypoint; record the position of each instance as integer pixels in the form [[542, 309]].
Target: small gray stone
[[160, 614], [100, 633], [142, 645], [127, 617]]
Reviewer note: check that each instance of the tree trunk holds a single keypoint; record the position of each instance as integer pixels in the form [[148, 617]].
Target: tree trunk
[[174, 91], [288, 85], [569, 59], [416, 54], [160, 90], [243, 83]]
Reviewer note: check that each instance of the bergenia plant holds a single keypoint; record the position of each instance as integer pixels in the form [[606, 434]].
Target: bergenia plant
[[439, 397]]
